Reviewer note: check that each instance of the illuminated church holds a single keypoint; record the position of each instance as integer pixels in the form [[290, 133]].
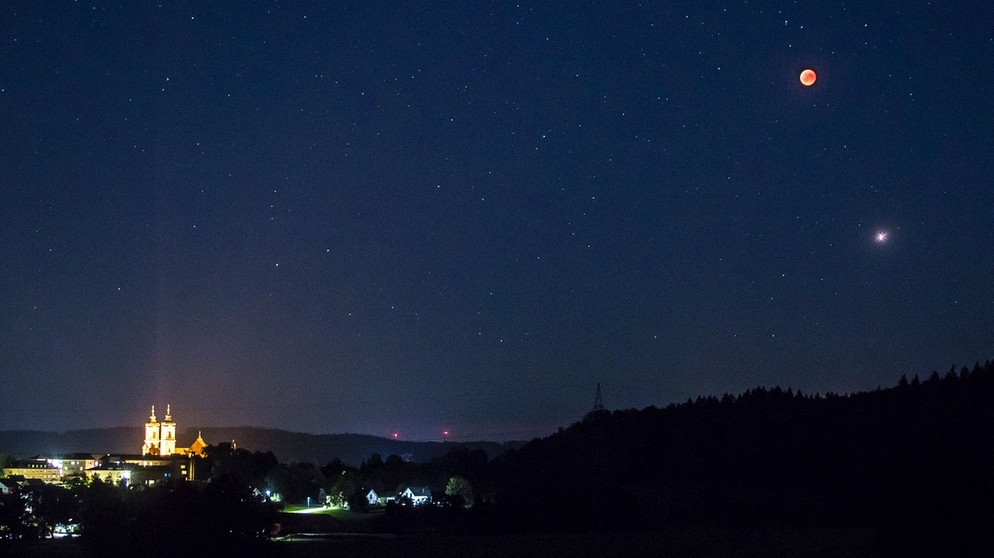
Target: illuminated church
[[160, 438]]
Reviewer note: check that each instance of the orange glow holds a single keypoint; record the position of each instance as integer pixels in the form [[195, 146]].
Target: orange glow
[[808, 77]]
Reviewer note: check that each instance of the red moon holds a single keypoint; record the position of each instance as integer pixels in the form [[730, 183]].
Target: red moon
[[808, 77]]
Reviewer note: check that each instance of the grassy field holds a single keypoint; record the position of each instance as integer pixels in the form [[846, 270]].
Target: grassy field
[[698, 543], [328, 520], [815, 543]]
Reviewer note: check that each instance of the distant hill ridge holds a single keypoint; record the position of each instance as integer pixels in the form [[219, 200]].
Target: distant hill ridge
[[287, 446]]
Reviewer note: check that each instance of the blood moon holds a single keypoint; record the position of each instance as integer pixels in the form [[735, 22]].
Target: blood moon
[[808, 77]]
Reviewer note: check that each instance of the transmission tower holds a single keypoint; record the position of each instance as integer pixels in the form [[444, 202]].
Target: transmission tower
[[598, 400]]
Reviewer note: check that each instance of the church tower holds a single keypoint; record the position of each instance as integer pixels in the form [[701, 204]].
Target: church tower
[[168, 434], [152, 442]]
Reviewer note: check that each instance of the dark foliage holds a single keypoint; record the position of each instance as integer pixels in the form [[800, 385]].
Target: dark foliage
[[15, 521], [391, 476], [219, 518], [226, 461], [914, 462], [296, 482]]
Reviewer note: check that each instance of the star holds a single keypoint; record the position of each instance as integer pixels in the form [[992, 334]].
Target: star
[[686, 185]]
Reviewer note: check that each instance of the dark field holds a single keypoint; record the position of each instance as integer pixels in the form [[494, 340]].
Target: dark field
[[700, 543], [691, 543]]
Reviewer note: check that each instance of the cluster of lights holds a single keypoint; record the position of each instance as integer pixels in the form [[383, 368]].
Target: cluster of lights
[[396, 435]]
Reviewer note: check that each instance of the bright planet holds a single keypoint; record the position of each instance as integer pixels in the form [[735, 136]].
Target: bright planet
[[480, 211]]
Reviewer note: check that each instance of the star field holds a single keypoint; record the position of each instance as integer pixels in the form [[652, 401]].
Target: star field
[[376, 218]]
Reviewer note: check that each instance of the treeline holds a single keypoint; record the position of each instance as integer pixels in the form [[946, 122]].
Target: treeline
[[914, 462], [231, 510], [218, 518], [342, 482]]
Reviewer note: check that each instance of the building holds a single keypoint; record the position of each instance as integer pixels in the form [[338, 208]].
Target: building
[[418, 495], [37, 467], [8, 486], [372, 497], [75, 464], [160, 459], [54, 469], [160, 438], [111, 473], [139, 470]]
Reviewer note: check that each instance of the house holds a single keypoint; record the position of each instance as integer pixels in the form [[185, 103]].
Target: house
[[8, 486], [372, 497], [418, 495]]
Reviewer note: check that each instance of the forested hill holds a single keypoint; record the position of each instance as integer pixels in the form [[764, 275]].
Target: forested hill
[[25, 443], [916, 456], [286, 446], [323, 448]]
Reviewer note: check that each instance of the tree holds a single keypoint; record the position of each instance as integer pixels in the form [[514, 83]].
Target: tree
[[342, 486], [6, 461], [14, 517], [336, 467], [459, 491], [357, 501], [464, 462], [372, 464], [53, 505], [222, 516], [249, 468], [297, 481]]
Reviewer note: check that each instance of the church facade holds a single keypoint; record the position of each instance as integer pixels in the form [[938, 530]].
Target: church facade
[[160, 438]]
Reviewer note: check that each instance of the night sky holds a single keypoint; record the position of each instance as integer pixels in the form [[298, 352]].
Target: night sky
[[382, 217]]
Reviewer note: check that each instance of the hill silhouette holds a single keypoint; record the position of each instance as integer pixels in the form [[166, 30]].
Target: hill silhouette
[[323, 448], [286, 446], [914, 462], [25, 443]]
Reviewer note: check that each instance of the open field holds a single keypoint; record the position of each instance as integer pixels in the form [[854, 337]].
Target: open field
[[809, 544], [327, 520], [814, 543]]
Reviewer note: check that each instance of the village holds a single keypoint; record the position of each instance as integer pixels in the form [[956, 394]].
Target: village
[[36, 492]]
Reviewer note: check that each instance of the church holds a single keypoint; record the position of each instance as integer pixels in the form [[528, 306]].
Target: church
[[160, 460], [160, 438]]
